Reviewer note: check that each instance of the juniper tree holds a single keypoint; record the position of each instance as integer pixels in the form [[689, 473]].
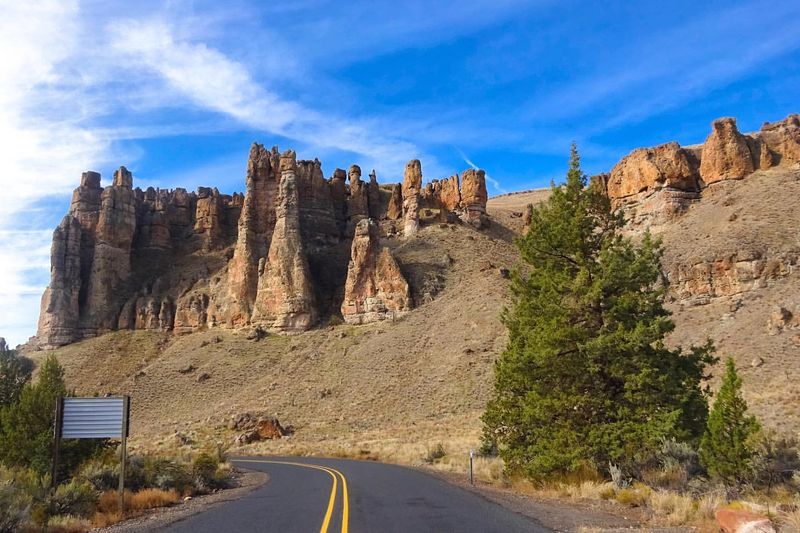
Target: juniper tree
[[725, 450], [586, 378]]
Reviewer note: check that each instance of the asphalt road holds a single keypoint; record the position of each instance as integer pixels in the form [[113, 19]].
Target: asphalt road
[[338, 495]]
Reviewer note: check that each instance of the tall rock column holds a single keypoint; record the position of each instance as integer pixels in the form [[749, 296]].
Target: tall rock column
[[412, 183], [285, 298], [474, 197], [256, 224], [58, 319], [208, 218], [375, 288], [111, 266], [358, 201], [726, 155], [374, 196]]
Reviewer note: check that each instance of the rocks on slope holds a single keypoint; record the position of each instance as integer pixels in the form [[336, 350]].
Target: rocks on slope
[[375, 288]]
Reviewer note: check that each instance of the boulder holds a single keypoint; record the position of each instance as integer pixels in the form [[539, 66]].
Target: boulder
[[741, 521], [256, 427], [726, 154], [375, 288]]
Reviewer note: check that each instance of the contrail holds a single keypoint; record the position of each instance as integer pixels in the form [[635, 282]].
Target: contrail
[[494, 182]]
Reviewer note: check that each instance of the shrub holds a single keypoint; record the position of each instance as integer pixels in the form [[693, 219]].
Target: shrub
[[205, 469], [775, 460], [635, 496], [101, 472], [168, 475], [77, 498], [14, 507], [435, 453]]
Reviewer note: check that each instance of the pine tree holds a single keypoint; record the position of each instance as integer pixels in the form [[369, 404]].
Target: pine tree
[[586, 378], [27, 435], [15, 372], [724, 449]]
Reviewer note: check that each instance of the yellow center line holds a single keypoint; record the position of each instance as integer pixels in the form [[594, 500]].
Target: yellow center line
[[332, 472]]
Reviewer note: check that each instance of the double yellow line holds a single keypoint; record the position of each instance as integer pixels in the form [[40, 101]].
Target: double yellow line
[[331, 502]]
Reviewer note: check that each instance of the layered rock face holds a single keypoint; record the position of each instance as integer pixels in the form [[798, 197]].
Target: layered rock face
[[375, 288], [658, 184], [275, 256]]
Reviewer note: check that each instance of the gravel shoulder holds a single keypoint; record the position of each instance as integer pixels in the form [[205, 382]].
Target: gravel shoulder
[[245, 481]]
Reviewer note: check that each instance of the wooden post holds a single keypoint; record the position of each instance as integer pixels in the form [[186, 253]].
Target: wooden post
[[126, 403], [57, 427]]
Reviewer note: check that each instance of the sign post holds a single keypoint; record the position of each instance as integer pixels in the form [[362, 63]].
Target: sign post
[[471, 455], [94, 418]]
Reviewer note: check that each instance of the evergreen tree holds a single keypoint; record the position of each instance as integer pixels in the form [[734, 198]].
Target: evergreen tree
[[724, 451], [586, 378], [27, 426], [15, 372]]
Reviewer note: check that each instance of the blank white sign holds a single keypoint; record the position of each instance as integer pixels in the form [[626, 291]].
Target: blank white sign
[[93, 418]]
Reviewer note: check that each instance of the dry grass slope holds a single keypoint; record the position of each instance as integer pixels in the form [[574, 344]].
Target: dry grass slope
[[396, 390]]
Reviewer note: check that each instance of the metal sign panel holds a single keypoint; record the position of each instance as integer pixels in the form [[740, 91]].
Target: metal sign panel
[[93, 418]]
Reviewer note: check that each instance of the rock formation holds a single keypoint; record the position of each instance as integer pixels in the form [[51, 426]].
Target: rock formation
[[394, 210], [3, 346], [358, 201], [655, 185], [256, 223], [275, 257], [285, 296], [726, 154], [412, 183], [375, 288], [474, 197]]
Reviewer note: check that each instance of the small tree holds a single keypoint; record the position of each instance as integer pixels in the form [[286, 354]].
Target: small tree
[[15, 372], [585, 378], [725, 448], [26, 427]]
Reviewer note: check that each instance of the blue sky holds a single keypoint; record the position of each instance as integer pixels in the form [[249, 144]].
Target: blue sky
[[178, 90]]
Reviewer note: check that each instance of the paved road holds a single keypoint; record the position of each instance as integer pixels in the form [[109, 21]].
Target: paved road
[[338, 495]]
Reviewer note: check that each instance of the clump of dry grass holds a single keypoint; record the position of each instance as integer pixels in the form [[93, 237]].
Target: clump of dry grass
[[68, 524], [635, 496], [108, 511]]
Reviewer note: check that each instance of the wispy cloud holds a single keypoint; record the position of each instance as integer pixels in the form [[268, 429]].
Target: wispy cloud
[[491, 180]]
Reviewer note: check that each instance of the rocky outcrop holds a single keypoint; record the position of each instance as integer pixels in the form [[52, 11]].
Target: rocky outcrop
[[375, 288], [358, 200], [656, 185], [253, 427], [394, 211], [274, 258], [374, 196], [285, 296], [782, 139], [474, 197], [412, 184], [696, 281], [726, 154], [256, 224], [3, 346], [651, 169]]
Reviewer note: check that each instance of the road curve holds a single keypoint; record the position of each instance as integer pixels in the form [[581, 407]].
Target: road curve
[[306, 494]]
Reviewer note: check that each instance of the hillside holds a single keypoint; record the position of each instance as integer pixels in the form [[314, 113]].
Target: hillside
[[407, 363]]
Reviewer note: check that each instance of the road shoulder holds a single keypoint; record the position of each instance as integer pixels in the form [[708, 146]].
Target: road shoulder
[[246, 482]]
